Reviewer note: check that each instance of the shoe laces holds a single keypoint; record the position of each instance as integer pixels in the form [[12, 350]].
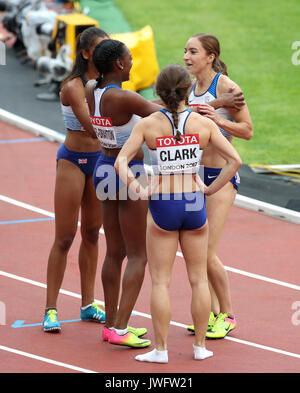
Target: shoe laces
[[97, 307], [212, 318], [221, 318], [52, 315]]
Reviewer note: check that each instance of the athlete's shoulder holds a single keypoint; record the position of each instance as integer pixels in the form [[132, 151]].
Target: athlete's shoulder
[[73, 86], [225, 83], [153, 119], [75, 83], [196, 121], [122, 96]]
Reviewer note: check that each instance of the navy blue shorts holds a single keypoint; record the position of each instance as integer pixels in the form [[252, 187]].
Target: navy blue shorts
[[84, 161], [210, 174], [174, 212], [106, 180]]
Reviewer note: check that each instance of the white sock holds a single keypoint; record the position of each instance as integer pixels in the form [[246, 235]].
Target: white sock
[[154, 356], [201, 353], [120, 332]]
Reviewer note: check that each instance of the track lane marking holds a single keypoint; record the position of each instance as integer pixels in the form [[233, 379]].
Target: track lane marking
[[173, 323], [46, 360], [24, 140], [25, 221], [179, 254]]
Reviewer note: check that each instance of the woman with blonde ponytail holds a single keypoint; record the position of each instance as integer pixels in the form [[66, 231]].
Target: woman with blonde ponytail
[[202, 59]]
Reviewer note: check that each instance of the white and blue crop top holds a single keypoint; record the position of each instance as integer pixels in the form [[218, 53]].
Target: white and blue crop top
[[69, 118], [110, 136], [175, 157], [210, 95]]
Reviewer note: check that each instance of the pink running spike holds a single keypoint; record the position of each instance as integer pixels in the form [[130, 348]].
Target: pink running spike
[[105, 333], [230, 320]]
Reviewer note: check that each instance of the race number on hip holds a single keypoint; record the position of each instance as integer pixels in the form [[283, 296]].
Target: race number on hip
[[178, 156], [105, 132]]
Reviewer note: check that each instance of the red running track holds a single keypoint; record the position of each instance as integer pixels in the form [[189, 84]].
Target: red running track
[[267, 337]]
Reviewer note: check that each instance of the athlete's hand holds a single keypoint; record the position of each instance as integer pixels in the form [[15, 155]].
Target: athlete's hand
[[210, 112], [232, 100], [89, 134], [200, 183], [153, 184], [145, 193]]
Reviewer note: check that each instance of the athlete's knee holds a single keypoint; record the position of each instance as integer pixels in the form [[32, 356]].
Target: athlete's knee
[[90, 235], [64, 242], [136, 267], [212, 260], [115, 256], [138, 261], [159, 281], [197, 281]]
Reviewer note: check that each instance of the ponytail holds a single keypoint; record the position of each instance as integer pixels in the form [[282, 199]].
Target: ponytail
[[172, 85], [219, 66], [99, 81], [178, 136]]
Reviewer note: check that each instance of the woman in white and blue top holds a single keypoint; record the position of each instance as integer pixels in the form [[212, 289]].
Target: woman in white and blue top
[[114, 112], [177, 212], [74, 191], [202, 60]]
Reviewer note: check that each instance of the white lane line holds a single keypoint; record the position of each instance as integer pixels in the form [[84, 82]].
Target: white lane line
[[240, 200], [46, 360], [35, 209], [41, 285], [256, 276], [259, 346], [231, 269], [181, 325], [263, 278], [26, 206]]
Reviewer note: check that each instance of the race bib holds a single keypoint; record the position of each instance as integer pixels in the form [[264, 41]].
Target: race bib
[[105, 131], [178, 156]]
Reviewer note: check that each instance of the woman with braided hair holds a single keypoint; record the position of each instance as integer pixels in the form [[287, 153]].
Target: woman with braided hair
[[177, 213], [114, 113]]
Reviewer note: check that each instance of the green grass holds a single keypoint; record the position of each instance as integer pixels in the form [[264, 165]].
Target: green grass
[[256, 39]]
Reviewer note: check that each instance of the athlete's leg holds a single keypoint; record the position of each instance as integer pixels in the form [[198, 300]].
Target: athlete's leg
[[112, 265], [132, 218], [218, 206], [69, 188], [91, 221], [215, 306], [194, 247], [161, 250]]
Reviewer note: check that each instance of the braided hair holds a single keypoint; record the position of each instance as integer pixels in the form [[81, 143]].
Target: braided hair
[[106, 53], [172, 86]]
